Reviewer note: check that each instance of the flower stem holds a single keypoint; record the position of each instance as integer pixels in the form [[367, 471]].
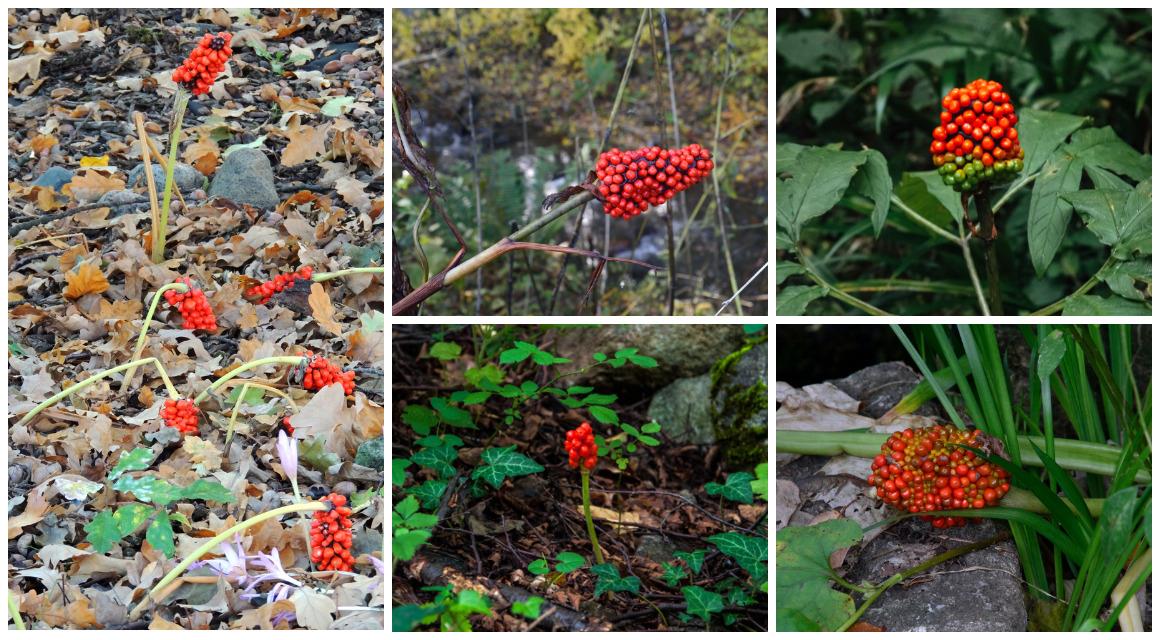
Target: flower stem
[[179, 102], [588, 517], [246, 386], [215, 541], [177, 286], [14, 612], [91, 380], [323, 277], [295, 360]]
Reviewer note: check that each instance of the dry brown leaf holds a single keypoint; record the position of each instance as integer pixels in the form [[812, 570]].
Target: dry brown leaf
[[323, 310], [33, 512], [27, 66], [91, 185], [204, 156], [43, 142], [306, 143], [353, 192], [85, 280]]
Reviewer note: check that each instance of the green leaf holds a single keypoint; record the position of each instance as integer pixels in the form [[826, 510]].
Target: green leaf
[[471, 601], [569, 561], [419, 418], [429, 493], [1051, 352], [737, 488], [820, 178], [702, 603], [148, 489], [650, 427], [131, 516], [873, 181], [445, 351], [313, 452], [599, 357], [600, 399], [749, 552], [643, 361], [503, 463], [673, 574], [792, 301], [539, 567], [543, 358], [692, 558], [608, 579], [135, 460], [103, 532], [1120, 219], [761, 484], [335, 107], [437, 458], [421, 521], [571, 403], [399, 471], [407, 617], [529, 608], [805, 599], [453, 416], [405, 543], [478, 397], [477, 375], [528, 387], [1101, 306], [578, 390], [648, 440], [404, 509], [160, 534], [516, 354], [210, 491], [626, 352], [604, 415]]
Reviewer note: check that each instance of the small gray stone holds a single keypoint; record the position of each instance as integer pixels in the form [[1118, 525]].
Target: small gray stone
[[246, 177], [184, 176], [115, 198], [55, 177], [655, 548], [32, 108], [682, 410], [370, 454]]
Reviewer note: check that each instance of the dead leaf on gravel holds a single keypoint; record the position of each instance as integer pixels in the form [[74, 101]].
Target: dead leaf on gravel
[[323, 309], [353, 192], [85, 280], [306, 143], [90, 185]]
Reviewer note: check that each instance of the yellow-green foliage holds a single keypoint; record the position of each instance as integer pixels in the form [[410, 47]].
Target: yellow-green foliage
[[576, 34]]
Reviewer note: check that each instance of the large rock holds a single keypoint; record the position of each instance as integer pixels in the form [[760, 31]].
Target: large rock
[[740, 405], [681, 351], [682, 409], [246, 177]]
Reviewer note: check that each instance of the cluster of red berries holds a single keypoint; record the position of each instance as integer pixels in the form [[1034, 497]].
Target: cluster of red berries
[[630, 181], [581, 447], [208, 59], [193, 307], [321, 372], [923, 470], [331, 537], [286, 426], [181, 415], [976, 141], [266, 290]]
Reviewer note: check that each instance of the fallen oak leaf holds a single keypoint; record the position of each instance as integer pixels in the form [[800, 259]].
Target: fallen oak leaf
[[323, 310], [86, 279]]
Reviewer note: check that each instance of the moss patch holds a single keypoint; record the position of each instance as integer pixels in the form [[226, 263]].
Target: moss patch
[[733, 408]]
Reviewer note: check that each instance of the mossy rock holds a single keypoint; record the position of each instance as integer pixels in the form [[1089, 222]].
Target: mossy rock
[[370, 454], [740, 408]]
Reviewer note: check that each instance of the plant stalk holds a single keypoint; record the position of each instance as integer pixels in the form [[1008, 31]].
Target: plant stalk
[[180, 101], [93, 379], [588, 516], [177, 286], [294, 360]]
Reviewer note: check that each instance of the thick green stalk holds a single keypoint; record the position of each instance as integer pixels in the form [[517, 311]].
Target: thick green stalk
[[295, 360], [180, 101], [588, 517], [323, 277], [14, 612], [180, 288], [91, 380]]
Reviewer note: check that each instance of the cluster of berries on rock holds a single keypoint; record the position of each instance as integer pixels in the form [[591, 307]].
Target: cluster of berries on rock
[[331, 536], [581, 447], [208, 59], [181, 415], [976, 141], [630, 181], [927, 469], [321, 372], [193, 307], [266, 290]]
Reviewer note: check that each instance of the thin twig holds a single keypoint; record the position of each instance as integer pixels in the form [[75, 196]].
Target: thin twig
[[728, 72], [474, 162]]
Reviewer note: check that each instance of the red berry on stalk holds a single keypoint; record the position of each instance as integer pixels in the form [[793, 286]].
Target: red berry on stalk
[[983, 113], [193, 307], [198, 71], [632, 181], [331, 536], [580, 445]]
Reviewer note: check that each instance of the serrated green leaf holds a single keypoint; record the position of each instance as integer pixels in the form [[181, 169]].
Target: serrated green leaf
[[604, 415], [517, 353], [453, 416], [103, 531], [399, 471], [135, 460], [539, 567], [500, 463], [571, 403], [529, 608], [419, 418], [405, 543], [569, 561], [478, 397], [626, 352], [543, 358], [478, 375], [160, 533], [702, 603], [403, 510], [445, 351]]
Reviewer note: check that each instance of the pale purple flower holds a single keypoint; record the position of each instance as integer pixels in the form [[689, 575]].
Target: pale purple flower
[[288, 454], [231, 565]]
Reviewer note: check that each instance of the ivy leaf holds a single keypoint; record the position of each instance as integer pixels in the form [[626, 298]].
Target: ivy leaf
[[437, 458], [749, 552], [103, 532], [604, 415], [529, 608], [737, 488], [608, 579], [135, 460], [539, 567], [673, 574], [419, 418], [399, 471], [504, 463], [702, 603], [453, 416], [148, 489], [569, 561], [131, 516], [444, 351], [206, 490], [694, 558], [160, 534], [429, 493]]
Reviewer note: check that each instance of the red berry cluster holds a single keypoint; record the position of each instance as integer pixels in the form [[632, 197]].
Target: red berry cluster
[[922, 470], [321, 372], [181, 415], [285, 426], [208, 59], [266, 290], [976, 141], [630, 181], [331, 537], [581, 447], [193, 307]]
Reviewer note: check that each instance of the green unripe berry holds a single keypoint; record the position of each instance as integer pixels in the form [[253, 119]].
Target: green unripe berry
[[988, 173], [1017, 165], [959, 161], [957, 187], [948, 180], [969, 170], [960, 176], [978, 165]]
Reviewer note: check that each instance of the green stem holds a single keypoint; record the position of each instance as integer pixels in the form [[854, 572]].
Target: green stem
[[588, 516], [323, 277], [965, 245], [218, 539], [1057, 306], [835, 292], [91, 380], [177, 286], [180, 101], [14, 612], [295, 360]]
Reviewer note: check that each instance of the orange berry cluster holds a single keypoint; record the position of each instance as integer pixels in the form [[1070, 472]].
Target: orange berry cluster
[[208, 59], [922, 470], [193, 307], [266, 290], [181, 415], [581, 447], [285, 426], [321, 372], [630, 181], [976, 141], [331, 536]]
